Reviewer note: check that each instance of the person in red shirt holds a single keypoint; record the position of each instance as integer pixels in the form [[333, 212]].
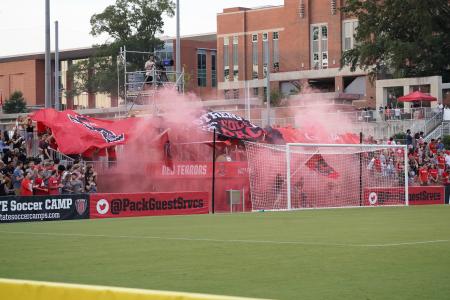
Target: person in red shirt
[[423, 175], [26, 187], [39, 185], [432, 146], [377, 164], [433, 173], [53, 184]]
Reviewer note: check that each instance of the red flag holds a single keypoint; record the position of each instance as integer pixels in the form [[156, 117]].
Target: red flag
[[317, 163], [75, 133]]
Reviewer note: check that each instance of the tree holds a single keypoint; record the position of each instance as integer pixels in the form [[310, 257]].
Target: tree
[[15, 104], [403, 38], [130, 23]]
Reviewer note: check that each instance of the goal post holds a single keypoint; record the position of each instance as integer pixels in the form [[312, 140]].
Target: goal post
[[300, 176]]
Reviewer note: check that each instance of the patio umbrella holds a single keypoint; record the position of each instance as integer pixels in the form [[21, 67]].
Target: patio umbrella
[[417, 96]]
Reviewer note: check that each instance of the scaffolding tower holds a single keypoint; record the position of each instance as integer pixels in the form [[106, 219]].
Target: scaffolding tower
[[139, 92]]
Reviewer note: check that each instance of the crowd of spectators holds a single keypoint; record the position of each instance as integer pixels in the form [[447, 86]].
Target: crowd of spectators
[[428, 162], [25, 174]]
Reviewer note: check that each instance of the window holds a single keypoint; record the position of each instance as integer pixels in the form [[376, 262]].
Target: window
[[235, 94], [213, 69], [265, 54], [201, 68], [319, 46], [255, 92], [226, 94], [226, 64], [235, 59], [276, 54], [255, 56], [348, 34]]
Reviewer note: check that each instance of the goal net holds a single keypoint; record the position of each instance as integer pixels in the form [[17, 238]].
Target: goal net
[[300, 176]]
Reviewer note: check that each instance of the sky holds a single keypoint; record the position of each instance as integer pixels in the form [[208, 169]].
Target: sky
[[22, 27]]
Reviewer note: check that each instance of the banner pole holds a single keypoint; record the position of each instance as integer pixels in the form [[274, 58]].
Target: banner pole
[[213, 171]]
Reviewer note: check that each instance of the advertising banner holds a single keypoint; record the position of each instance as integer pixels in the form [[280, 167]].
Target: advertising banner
[[44, 208], [148, 204], [198, 170], [418, 195]]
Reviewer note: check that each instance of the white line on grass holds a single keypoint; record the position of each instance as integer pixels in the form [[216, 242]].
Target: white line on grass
[[143, 237]]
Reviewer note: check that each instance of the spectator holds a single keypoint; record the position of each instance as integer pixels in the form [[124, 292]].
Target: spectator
[[17, 178], [440, 145], [433, 173], [397, 113], [43, 147], [53, 183], [409, 138], [26, 187], [76, 185], [39, 187], [91, 186], [423, 175], [29, 129]]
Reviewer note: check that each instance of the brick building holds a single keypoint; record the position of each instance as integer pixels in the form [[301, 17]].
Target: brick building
[[26, 72], [300, 42]]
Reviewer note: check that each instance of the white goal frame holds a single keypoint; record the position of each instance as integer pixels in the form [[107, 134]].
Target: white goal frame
[[362, 146]]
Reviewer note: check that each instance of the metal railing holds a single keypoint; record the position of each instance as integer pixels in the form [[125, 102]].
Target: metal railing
[[63, 159], [429, 125], [435, 134]]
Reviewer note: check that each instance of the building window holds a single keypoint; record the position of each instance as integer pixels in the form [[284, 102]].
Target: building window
[[165, 55], [227, 94], [276, 53], [319, 46], [348, 34], [255, 92], [235, 59], [255, 56], [236, 94], [265, 54], [226, 64], [213, 69], [201, 68]]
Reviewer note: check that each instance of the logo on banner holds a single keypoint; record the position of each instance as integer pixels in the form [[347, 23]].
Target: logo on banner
[[107, 135], [373, 198], [102, 206], [80, 206]]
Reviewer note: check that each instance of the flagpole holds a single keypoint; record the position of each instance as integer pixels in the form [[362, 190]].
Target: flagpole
[[213, 171]]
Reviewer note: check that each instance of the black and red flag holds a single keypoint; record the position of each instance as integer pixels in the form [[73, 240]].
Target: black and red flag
[[317, 163]]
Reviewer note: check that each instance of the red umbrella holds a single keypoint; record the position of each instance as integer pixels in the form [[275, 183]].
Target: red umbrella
[[417, 96]]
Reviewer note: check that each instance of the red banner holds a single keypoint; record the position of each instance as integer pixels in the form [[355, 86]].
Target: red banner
[[198, 170], [148, 204], [69, 126], [418, 195]]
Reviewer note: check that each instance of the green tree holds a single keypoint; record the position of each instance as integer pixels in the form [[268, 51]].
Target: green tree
[[130, 23], [402, 38], [15, 104]]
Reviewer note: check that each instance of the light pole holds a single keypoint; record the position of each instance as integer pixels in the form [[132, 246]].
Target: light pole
[[57, 100], [178, 48], [48, 77]]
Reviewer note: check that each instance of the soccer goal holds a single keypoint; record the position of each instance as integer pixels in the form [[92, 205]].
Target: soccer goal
[[302, 176]]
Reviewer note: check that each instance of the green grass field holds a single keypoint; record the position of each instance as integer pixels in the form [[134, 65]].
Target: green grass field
[[373, 253]]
